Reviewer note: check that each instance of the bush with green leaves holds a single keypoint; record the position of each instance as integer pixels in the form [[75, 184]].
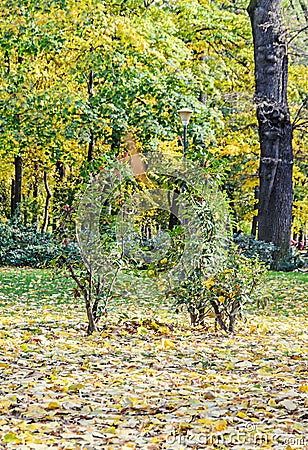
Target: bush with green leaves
[[292, 262], [251, 247], [225, 293], [265, 251], [22, 246]]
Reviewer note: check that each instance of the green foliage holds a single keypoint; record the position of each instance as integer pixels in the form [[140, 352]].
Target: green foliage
[[251, 247], [225, 293], [25, 246], [291, 262]]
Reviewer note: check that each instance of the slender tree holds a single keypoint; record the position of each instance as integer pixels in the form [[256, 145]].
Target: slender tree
[[275, 128], [16, 185]]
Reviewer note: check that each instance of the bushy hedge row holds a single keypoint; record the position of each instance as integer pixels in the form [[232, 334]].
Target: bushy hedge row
[[22, 246], [25, 246], [251, 247]]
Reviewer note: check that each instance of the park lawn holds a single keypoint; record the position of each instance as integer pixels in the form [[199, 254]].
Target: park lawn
[[147, 380]]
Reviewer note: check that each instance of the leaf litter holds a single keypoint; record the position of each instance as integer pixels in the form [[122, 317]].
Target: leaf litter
[[147, 380]]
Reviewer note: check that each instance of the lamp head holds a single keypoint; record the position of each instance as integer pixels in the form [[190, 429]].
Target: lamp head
[[185, 115]]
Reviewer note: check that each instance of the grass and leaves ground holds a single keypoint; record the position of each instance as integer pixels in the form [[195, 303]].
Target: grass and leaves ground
[[147, 380]]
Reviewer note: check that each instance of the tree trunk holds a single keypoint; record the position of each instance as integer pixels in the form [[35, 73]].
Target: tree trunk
[[275, 129], [254, 226], [12, 197], [47, 203], [17, 185], [90, 95]]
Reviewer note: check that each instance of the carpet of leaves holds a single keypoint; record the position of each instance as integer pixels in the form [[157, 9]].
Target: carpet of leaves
[[147, 380]]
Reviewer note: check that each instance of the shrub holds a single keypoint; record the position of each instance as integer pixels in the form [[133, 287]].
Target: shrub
[[25, 246], [251, 247], [291, 262], [224, 293]]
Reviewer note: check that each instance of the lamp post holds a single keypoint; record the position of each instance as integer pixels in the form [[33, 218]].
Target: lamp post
[[185, 115]]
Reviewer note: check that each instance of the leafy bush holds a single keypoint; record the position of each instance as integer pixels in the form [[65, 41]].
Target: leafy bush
[[291, 262], [251, 247], [225, 293], [25, 246]]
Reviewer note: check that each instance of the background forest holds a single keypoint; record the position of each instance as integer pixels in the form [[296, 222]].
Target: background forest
[[77, 77], [115, 352]]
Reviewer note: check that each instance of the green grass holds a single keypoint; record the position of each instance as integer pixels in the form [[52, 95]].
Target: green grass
[[291, 276], [25, 289], [34, 287]]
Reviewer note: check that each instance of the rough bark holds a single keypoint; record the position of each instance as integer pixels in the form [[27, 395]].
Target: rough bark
[[275, 128]]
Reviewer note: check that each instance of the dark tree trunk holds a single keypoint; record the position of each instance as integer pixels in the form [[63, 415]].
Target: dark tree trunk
[[254, 226], [17, 184], [47, 203], [12, 196], [35, 190], [91, 147], [304, 9], [275, 129], [90, 95], [60, 168], [115, 141]]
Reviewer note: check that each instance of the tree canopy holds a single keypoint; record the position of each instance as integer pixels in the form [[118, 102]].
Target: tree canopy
[[77, 76]]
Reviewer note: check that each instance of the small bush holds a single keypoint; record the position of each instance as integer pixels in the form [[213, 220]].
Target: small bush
[[291, 262], [25, 246], [251, 247], [225, 293]]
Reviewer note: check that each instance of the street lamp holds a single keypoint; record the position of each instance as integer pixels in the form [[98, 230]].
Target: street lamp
[[185, 115]]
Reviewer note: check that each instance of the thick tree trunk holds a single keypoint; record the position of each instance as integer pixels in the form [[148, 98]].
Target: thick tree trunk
[[17, 185], [275, 129]]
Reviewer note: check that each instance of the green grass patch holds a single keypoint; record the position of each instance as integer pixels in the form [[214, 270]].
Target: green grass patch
[[289, 276], [25, 289]]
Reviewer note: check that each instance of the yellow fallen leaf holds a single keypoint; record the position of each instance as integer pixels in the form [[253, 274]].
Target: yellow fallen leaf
[[4, 365], [25, 426], [166, 343], [24, 347], [11, 438], [272, 402], [110, 430], [221, 425], [205, 421], [242, 415], [303, 388], [53, 405]]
